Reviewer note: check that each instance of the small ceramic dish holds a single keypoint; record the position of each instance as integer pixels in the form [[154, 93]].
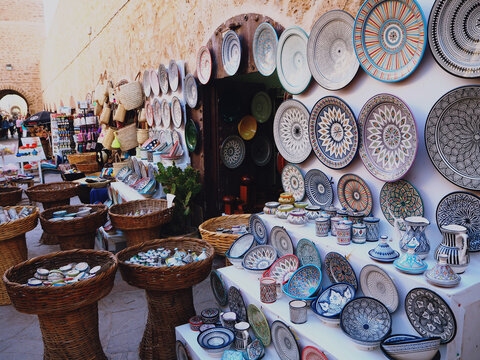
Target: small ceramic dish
[[216, 340], [305, 282], [410, 347], [247, 127], [259, 259]]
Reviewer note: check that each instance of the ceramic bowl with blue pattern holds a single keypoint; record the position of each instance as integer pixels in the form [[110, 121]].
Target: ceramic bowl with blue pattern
[[305, 282]]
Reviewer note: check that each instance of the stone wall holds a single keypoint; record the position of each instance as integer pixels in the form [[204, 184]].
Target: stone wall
[[22, 35], [127, 36]]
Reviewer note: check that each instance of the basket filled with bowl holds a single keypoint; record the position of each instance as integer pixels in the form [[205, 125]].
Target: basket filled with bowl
[[74, 226]]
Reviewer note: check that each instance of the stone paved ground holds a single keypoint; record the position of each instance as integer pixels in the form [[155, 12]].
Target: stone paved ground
[[122, 314]]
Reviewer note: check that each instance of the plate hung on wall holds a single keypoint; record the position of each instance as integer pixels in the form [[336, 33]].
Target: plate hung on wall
[[330, 51], [177, 112], [165, 107], [231, 52], [354, 194], [261, 107], [173, 75], [163, 78], [293, 181], [265, 42], [232, 151], [157, 111], [146, 83], [319, 188], [191, 91], [154, 82], [204, 65], [389, 37], [453, 36], [261, 150], [292, 64]]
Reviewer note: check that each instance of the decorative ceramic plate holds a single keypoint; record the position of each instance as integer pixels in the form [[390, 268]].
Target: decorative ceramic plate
[[377, 284], [366, 320], [232, 151], [147, 89], [154, 83], [177, 112], [218, 288], [319, 188], [339, 269], [430, 315], [265, 42], [330, 51], [284, 341], [399, 200], [452, 136], [261, 150], [157, 111], [204, 65], [293, 181], [453, 36], [333, 132], [261, 106], [247, 127], [259, 324], [388, 137], [281, 241], [290, 131], [176, 136], [236, 303], [354, 194], [231, 52], [191, 91], [292, 64], [241, 245], [307, 253], [181, 351], [283, 269], [389, 38], [149, 113], [191, 135], [258, 229], [151, 171], [312, 353], [256, 350], [165, 113], [461, 208], [163, 78], [305, 282], [259, 258], [173, 78], [216, 338], [331, 301]]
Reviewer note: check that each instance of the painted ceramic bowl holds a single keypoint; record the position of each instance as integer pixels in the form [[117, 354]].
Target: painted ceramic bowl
[[271, 207], [331, 302], [297, 217], [283, 211], [210, 315], [236, 261], [283, 269], [305, 282], [286, 198], [247, 127], [255, 350], [259, 259], [313, 212], [195, 322], [308, 300], [410, 347], [300, 204], [383, 252], [216, 340], [241, 245]]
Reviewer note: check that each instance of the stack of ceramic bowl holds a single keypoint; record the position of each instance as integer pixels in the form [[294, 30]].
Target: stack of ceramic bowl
[[239, 248], [331, 301], [216, 340], [259, 259], [63, 215], [304, 283]]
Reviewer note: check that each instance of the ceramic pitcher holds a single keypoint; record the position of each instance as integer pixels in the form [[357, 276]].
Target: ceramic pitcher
[[416, 226], [455, 245]]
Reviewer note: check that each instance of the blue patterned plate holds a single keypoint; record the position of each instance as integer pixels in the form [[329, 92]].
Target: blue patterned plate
[[305, 282], [241, 245], [284, 341], [231, 52], [332, 300], [259, 258], [258, 229], [218, 288], [307, 253], [215, 339], [255, 350], [293, 181], [237, 304], [319, 188], [265, 43], [281, 241]]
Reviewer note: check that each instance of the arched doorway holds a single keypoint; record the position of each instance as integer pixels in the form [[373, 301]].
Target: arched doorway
[[14, 100]]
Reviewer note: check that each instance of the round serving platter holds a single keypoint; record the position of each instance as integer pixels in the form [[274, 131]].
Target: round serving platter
[[259, 324], [261, 150], [177, 112], [204, 65], [191, 91], [293, 181], [236, 303], [284, 341], [154, 84], [319, 188], [354, 194], [265, 42], [261, 106], [339, 270], [232, 151], [218, 288], [231, 52], [163, 78], [258, 229], [173, 75], [376, 283], [147, 89], [165, 113], [281, 241]]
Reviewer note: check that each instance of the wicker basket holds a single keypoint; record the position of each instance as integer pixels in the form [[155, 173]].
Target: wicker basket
[[77, 233], [220, 241], [144, 227], [127, 137], [68, 315], [51, 194], [87, 157], [168, 290], [88, 168], [10, 195], [142, 136], [131, 94], [13, 247]]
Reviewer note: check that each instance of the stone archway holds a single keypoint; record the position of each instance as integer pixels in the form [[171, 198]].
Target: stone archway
[[14, 90]]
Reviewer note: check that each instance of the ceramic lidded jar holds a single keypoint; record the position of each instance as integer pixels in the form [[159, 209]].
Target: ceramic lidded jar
[[371, 224], [286, 198], [410, 263], [343, 213], [416, 226], [331, 211], [383, 252], [455, 246], [271, 207], [313, 212], [321, 226], [344, 233], [334, 222], [283, 211], [297, 217], [359, 233], [442, 274], [355, 216]]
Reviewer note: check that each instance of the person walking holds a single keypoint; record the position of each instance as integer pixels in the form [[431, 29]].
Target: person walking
[[19, 123]]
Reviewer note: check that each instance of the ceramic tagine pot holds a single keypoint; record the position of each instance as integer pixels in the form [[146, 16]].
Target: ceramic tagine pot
[[383, 252], [416, 226], [410, 263], [455, 246], [442, 274]]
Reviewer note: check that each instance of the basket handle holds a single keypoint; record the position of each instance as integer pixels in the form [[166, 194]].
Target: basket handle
[[137, 77]]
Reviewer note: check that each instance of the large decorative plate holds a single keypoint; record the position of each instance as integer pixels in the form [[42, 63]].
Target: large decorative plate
[[265, 42], [452, 135], [330, 51], [180, 351], [204, 65], [319, 188], [461, 208], [290, 131], [231, 52], [177, 112], [261, 150], [259, 324], [173, 77], [366, 320], [354, 194], [400, 199], [147, 89], [154, 82], [453, 36], [149, 113], [284, 341], [163, 78], [261, 106], [281, 241], [232, 151], [258, 229], [236, 303], [218, 288], [388, 137], [293, 181], [333, 132], [191, 135], [377, 284], [389, 37], [339, 269], [307, 253], [165, 113], [312, 353], [157, 111], [430, 315], [191, 91], [292, 64]]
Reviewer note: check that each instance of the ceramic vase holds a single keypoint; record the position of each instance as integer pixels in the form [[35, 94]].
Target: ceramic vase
[[371, 224], [321, 227], [344, 234], [268, 290], [359, 233], [455, 246], [416, 226]]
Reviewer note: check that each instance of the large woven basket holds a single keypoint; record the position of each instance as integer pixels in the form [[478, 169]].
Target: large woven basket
[[77, 233], [143, 227], [220, 241], [52, 193], [10, 195], [88, 168], [82, 158], [130, 95], [127, 137]]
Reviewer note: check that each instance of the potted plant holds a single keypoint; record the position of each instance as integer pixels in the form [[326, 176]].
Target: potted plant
[[185, 185]]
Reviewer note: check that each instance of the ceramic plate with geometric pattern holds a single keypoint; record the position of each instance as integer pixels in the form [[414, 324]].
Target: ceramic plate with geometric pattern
[[264, 45], [236, 303], [232, 151], [319, 188], [218, 288], [204, 65], [376, 283], [284, 341], [293, 181], [339, 270], [258, 229], [281, 241], [354, 194], [259, 324], [231, 52]]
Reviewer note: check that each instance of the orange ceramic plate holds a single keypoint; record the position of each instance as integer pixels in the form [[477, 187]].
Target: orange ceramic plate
[[247, 127]]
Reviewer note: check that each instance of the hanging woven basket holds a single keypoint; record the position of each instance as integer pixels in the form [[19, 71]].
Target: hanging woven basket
[[131, 94]]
